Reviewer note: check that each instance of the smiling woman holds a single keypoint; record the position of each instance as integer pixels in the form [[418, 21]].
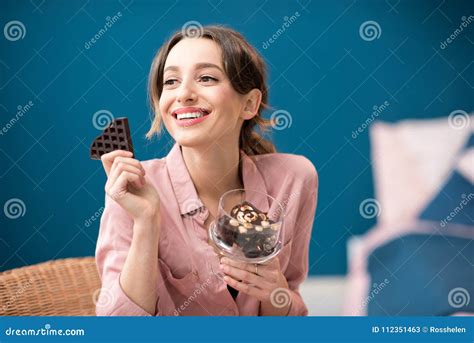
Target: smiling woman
[[221, 63], [153, 250]]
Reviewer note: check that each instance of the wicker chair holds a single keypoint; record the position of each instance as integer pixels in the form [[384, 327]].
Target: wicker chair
[[55, 288]]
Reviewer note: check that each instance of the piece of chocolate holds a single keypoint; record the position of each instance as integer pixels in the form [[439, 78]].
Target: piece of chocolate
[[248, 213], [249, 229], [115, 137], [226, 232]]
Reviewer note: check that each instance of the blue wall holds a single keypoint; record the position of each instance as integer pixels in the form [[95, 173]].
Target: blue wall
[[321, 71]]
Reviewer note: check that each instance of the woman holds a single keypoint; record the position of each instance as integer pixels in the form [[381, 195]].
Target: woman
[[153, 253]]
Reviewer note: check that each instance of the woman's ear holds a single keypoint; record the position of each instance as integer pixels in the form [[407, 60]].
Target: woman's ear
[[252, 102]]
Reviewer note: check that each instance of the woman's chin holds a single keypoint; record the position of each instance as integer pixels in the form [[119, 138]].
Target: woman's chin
[[191, 139]]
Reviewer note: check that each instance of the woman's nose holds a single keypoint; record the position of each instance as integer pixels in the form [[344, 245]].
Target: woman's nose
[[186, 93]]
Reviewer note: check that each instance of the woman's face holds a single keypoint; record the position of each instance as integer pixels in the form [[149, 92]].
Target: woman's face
[[196, 86]]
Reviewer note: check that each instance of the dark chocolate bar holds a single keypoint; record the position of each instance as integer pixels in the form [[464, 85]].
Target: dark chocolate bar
[[115, 137]]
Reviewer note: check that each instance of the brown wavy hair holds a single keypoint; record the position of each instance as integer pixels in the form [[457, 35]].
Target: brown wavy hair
[[245, 69]]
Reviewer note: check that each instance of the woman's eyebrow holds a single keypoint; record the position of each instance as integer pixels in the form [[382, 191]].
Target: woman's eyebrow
[[197, 66], [208, 65]]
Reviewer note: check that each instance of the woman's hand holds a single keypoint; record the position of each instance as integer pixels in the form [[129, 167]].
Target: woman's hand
[[127, 185], [269, 285]]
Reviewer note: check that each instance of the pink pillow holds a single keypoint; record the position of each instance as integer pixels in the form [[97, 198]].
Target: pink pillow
[[411, 159], [465, 164]]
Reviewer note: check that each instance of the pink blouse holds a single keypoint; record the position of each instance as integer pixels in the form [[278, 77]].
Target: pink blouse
[[186, 284]]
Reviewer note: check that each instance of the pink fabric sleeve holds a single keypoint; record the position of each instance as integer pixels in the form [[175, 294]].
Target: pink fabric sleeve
[[115, 237], [297, 270]]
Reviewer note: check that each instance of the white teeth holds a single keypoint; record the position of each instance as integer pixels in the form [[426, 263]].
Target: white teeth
[[189, 115]]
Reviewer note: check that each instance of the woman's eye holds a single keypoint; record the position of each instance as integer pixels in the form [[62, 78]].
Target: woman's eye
[[207, 78], [170, 82]]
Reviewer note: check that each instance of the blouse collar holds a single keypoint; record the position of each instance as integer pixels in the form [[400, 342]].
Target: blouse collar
[[185, 191]]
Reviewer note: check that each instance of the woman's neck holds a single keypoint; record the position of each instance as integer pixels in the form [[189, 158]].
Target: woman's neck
[[214, 169]]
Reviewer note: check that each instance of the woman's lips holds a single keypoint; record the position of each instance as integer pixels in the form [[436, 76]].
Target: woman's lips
[[190, 122]]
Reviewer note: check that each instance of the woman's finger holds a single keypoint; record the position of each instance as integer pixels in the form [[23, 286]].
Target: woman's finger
[[121, 167], [264, 270], [119, 188], [237, 264], [246, 288], [127, 160], [246, 276], [108, 158]]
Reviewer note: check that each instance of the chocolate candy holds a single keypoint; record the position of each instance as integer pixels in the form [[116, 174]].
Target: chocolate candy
[[246, 213], [115, 137], [250, 229]]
